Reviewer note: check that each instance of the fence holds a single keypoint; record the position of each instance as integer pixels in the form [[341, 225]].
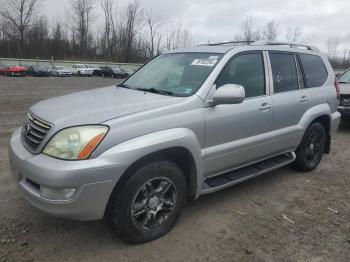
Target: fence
[[49, 63]]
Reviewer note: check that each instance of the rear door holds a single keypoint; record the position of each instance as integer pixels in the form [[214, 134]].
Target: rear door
[[315, 76], [290, 100]]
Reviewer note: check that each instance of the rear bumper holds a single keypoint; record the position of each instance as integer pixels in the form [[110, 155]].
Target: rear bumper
[[336, 117], [94, 181]]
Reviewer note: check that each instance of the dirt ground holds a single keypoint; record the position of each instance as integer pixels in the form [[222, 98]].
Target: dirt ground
[[281, 216]]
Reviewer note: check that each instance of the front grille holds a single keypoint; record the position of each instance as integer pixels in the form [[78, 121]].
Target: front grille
[[344, 100], [34, 131]]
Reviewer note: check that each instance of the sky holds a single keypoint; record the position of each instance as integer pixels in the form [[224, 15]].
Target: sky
[[220, 20]]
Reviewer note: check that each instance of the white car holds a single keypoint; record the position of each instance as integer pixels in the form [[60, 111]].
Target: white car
[[96, 71], [81, 70], [60, 71]]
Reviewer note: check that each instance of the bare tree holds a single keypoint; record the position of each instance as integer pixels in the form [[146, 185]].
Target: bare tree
[[248, 31], [176, 36], [130, 25], [332, 47], [19, 13], [294, 35], [270, 31], [107, 7], [154, 24], [82, 18]]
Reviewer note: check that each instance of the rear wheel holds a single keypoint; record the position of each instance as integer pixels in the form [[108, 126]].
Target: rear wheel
[[149, 203], [311, 148]]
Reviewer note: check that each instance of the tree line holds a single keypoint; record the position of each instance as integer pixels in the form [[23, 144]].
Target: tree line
[[128, 34]]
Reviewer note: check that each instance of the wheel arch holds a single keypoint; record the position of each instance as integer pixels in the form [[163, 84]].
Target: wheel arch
[[321, 114], [181, 156]]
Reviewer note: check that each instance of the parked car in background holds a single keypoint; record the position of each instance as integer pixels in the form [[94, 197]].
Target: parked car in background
[[129, 71], [191, 122], [115, 72], [80, 70], [106, 71], [60, 71], [16, 70], [119, 72], [3, 69], [38, 70], [96, 71], [344, 94]]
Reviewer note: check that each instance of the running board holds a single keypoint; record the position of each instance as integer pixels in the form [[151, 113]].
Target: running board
[[239, 175]]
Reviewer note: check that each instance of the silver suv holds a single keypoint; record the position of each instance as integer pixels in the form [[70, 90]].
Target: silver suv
[[189, 122]]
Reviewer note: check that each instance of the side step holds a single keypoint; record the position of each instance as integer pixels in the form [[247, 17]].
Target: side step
[[239, 175]]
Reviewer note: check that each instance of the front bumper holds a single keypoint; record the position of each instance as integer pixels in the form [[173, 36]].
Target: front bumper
[[94, 180], [344, 110], [86, 73], [64, 74]]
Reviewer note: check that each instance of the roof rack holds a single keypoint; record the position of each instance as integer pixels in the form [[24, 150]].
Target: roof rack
[[263, 42], [228, 43], [292, 45]]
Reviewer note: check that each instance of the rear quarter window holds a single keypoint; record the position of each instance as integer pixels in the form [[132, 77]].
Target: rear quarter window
[[314, 70]]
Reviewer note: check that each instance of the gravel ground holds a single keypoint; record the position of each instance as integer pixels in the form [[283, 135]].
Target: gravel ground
[[281, 216]]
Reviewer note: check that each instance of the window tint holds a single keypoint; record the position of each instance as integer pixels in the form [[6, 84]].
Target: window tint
[[314, 70], [284, 72], [246, 70]]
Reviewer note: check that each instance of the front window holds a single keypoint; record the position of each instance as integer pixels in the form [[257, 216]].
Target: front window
[[246, 70], [345, 78], [179, 74]]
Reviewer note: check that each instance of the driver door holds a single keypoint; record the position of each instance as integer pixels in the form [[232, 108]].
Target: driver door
[[237, 134]]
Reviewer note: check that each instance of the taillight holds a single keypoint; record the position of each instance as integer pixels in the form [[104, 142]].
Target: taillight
[[337, 88]]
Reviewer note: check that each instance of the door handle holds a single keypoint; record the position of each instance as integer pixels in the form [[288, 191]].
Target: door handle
[[264, 107], [304, 99]]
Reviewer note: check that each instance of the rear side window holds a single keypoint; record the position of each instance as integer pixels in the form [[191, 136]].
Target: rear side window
[[314, 70], [284, 71], [246, 70]]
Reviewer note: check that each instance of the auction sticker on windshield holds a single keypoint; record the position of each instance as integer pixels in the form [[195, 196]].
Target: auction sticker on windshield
[[211, 61]]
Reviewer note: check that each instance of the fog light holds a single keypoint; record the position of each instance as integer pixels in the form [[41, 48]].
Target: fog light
[[57, 194]]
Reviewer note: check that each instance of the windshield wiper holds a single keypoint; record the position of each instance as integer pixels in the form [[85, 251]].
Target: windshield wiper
[[124, 86], [342, 82], [156, 91]]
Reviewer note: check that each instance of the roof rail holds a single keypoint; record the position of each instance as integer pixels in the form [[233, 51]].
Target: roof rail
[[228, 43], [292, 45]]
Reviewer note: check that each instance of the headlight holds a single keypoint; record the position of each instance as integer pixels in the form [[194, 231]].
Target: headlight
[[75, 143]]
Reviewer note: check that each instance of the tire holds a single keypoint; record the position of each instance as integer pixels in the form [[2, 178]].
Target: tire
[[148, 204], [311, 148]]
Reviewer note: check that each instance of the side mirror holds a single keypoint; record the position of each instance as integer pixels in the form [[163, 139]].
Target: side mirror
[[229, 94]]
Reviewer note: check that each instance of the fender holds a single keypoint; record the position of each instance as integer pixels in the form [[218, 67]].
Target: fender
[[130, 151], [313, 113]]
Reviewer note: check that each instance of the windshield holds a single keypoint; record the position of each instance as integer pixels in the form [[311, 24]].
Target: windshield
[[179, 74], [345, 78]]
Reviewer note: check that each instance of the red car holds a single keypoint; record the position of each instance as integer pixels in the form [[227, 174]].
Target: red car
[[2, 69], [16, 71]]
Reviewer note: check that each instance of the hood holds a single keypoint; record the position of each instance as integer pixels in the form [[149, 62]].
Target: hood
[[63, 71], [98, 105], [344, 89]]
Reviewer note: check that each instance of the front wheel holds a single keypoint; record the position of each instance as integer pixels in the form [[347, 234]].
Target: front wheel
[[149, 203], [311, 148]]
